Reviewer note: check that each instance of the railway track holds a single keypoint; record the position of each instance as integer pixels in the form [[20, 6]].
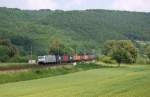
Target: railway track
[[35, 66]]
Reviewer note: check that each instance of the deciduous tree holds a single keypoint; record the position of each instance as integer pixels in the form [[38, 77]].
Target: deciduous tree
[[123, 51]]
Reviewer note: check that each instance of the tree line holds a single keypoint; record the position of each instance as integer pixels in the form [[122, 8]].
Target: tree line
[[123, 51]]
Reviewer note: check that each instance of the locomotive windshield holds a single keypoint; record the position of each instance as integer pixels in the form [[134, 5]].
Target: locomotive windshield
[[41, 57]]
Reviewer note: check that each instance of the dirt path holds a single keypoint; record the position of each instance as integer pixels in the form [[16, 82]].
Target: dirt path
[[29, 68], [15, 71]]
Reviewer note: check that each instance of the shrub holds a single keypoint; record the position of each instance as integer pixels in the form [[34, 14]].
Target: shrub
[[4, 58], [106, 59], [37, 71], [19, 59], [147, 51], [142, 60]]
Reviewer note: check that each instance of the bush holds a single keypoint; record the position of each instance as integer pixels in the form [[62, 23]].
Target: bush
[[106, 59], [147, 51], [4, 58], [19, 59], [141, 60], [37, 71]]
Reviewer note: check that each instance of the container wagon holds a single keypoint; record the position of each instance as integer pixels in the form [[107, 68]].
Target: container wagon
[[56, 59]]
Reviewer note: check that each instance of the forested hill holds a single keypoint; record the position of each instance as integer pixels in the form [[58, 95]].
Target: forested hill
[[88, 28]]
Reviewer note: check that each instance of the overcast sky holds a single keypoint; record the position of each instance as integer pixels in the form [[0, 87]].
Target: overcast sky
[[129, 5]]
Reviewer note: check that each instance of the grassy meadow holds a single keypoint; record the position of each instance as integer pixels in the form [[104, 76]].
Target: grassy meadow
[[29, 72], [126, 81]]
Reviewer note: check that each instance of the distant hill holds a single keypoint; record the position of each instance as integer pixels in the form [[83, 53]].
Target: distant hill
[[87, 28]]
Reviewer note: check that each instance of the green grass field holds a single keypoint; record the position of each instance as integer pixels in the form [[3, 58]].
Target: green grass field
[[38, 72], [127, 81]]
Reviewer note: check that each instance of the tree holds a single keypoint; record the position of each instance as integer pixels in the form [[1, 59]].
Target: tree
[[56, 47], [148, 51], [7, 50], [13, 51], [4, 41], [4, 53], [123, 51]]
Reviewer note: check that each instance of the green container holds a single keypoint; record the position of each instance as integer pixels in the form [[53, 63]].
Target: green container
[[71, 58]]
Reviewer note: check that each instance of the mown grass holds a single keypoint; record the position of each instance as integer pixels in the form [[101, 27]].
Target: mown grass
[[132, 81], [36, 73]]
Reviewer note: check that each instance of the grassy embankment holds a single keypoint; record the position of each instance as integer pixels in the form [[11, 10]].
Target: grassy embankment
[[40, 72]]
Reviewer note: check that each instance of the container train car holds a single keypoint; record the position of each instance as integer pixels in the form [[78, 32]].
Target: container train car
[[56, 59]]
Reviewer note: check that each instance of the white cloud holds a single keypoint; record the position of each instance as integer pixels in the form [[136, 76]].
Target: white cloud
[[51, 4], [132, 5], [72, 4], [41, 4], [129, 5]]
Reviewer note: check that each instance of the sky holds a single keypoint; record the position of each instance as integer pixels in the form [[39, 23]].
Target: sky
[[126, 5]]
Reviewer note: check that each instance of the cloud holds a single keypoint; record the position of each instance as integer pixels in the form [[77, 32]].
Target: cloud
[[41, 4], [52, 4], [72, 4], [131, 5]]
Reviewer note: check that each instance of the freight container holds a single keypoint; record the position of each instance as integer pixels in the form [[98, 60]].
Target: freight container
[[77, 58], [71, 59], [58, 59], [65, 58], [91, 57], [85, 57]]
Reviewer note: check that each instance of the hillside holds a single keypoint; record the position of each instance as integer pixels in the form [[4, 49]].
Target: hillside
[[88, 28]]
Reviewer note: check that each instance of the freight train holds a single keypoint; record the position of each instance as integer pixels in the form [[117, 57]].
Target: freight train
[[56, 59]]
